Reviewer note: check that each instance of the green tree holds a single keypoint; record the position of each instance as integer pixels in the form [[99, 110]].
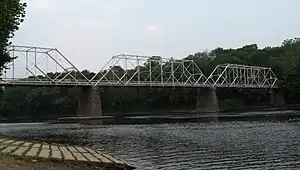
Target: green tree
[[12, 13]]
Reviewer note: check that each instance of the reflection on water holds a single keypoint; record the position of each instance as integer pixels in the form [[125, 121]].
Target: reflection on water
[[219, 145]]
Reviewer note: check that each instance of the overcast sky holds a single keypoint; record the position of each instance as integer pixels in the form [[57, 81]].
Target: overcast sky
[[89, 32]]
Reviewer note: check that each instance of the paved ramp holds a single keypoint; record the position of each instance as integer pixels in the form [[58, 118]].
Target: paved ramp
[[77, 154]]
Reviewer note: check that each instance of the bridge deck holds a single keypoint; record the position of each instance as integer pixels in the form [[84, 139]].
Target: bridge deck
[[117, 84]]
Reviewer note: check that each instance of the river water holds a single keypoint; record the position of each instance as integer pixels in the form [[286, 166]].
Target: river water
[[185, 146]]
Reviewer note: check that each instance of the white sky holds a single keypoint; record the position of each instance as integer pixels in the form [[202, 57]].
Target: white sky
[[90, 32]]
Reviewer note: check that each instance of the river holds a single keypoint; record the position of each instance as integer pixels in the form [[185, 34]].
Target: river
[[185, 146]]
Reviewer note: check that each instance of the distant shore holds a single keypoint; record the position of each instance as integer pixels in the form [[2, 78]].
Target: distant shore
[[266, 115], [173, 116], [221, 112]]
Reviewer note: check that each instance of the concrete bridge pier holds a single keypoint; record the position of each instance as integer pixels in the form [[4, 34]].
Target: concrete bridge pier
[[207, 101], [89, 102], [277, 98]]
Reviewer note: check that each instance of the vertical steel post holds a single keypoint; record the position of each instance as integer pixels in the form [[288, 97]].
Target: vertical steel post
[[244, 75], [161, 72], [26, 58], [139, 71], [47, 65], [172, 71], [182, 72], [13, 65], [126, 69], [150, 72], [35, 64]]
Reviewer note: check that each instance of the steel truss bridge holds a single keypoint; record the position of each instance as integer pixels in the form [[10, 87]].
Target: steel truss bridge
[[37, 66]]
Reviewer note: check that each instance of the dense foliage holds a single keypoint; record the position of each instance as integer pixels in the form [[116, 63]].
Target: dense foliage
[[284, 59], [12, 13]]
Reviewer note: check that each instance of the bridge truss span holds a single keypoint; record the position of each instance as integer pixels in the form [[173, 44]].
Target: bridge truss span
[[135, 70], [41, 66], [242, 76], [38, 66]]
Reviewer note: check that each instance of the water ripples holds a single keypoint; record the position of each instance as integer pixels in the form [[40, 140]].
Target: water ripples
[[189, 146]]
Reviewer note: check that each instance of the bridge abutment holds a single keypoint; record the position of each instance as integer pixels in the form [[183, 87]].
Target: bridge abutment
[[207, 100], [89, 102], [277, 98]]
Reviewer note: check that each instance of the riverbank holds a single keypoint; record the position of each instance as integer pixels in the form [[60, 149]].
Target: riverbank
[[8, 162], [267, 115], [166, 116], [21, 154], [222, 111]]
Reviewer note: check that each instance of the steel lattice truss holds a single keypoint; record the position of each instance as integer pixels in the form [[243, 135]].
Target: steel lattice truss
[[133, 70], [36, 66], [41, 67], [242, 76]]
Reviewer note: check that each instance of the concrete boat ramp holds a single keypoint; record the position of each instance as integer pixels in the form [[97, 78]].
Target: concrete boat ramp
[[75, 154]]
